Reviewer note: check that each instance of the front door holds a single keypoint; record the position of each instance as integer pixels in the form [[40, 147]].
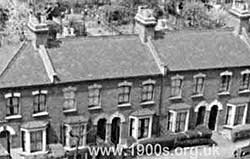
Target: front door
[[213, 117], [5, 140], [101, 129], [115, 130], [201, 116]]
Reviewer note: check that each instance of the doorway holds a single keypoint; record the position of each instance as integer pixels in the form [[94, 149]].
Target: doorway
[[101, 129], [115, 130], [5, 140], [213, 117], [201, 115]]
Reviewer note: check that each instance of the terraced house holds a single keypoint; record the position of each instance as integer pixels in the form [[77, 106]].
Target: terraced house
[[119, 85]]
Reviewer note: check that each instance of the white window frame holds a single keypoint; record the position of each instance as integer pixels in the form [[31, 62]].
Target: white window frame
[[245, 72], [9, 95], [28, 141], [66, 90], [44, 113], [136, 130], [225, 73], [90, 88], [174, 113], [68, 137], [124, 84], [200, 75], [145, 83], [234, 114], [176, 77]]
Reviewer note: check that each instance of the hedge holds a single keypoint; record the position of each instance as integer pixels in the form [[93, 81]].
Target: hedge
[[199, 136], [240, 132]]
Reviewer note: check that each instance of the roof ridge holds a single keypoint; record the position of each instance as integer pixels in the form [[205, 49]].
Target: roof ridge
[[98, 37], [12, 60], [202, 30]]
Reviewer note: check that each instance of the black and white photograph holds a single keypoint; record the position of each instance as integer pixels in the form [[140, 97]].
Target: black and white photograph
[[124, 79]]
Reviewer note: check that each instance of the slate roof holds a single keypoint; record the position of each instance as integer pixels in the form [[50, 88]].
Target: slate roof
[[102, 58], [7, 52], [76, 119], [239, 100], [179, 106], [26, 68], [143, 112], [191, 50], [34, 124]]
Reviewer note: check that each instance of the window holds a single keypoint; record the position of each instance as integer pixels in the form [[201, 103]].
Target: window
[[181, 121], [225, 81], [72, 132], [229, 115], [132, 127], [124, 93], [94, 96], [199, 84], [245, 81], [36, 141], [236, 114], [147, 92], [140, 126], [69, 99], [176, 86], [178, 120], [239, 114], [39, 101], [143, 128], [12, 103], [34, 137]]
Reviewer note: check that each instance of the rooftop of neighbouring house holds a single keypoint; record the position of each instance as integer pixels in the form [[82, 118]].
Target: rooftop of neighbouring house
[[102, 58], [24, 68], [191, 50]]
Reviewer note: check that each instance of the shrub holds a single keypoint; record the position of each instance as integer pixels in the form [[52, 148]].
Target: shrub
[[240, 132], [205, 132]]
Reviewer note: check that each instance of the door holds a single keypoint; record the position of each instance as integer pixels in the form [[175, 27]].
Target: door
[[201, 116], [101, 129], [115, 130], [213, 117], [5, 140]]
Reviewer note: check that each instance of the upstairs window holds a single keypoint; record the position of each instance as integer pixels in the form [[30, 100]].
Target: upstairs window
[[69, 99], [94, 96], [124, 93], [148, 90], [13, 104], [245, 81], [199, 84], [39, 101], [176, 86], [225, 81]]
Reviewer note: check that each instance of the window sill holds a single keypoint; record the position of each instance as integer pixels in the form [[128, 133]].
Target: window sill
[[124, 105], [175, 98], [13, 117], [228, 127], [34, 153], [40, 114], [197, 95], [224, 93], [244, 91], [95, 107], [147, 103], [70, 111], [73, 148]]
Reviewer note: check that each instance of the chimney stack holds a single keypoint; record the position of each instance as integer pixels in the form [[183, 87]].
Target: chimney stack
[[145, 23], [39, 31], [241, 11]]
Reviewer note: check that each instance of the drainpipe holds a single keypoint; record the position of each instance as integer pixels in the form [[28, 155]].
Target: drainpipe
[[163, 76]]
